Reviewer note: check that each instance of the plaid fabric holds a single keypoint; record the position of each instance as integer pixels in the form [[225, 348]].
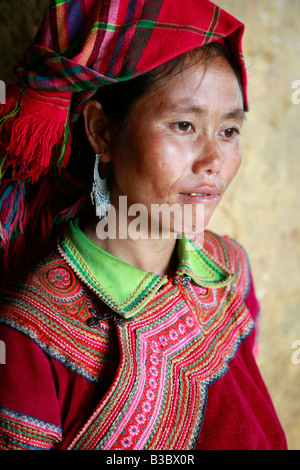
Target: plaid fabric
[[83, 44], [80, 46]]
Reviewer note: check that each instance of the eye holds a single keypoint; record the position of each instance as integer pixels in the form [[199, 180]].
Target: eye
[[183, 126], [230, 132]]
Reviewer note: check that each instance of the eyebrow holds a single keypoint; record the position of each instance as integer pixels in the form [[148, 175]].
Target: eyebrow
[[236, 113]]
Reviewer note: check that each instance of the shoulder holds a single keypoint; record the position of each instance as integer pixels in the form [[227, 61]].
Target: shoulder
[[39, 299], [48, 295], [232, 257], [50, 281], [53, 308]]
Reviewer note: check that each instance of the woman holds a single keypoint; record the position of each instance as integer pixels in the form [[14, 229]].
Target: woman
[[137, 331]]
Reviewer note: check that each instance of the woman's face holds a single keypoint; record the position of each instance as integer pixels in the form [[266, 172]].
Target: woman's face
[[181, 143]]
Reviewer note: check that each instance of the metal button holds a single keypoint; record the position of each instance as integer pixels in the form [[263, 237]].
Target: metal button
[[93, 322], [185, 281]]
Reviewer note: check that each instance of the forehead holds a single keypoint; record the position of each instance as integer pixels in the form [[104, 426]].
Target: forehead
[[205, 84]]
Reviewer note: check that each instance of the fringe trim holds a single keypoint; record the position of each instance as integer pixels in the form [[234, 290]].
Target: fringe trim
[[34, 133], [32, 143], [34, 138]]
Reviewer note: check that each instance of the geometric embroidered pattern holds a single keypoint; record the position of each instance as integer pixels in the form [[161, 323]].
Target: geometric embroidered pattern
[[158, 364], [169, 356], [53, 309]]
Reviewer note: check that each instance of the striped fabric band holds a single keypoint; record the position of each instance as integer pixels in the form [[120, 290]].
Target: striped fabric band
[[27, 433]]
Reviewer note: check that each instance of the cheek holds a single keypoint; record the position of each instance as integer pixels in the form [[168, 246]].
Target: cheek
[[152, 161], [140, 172], [234, 161]]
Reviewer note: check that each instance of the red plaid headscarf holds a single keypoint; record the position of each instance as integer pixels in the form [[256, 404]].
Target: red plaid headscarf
[[80, 46]]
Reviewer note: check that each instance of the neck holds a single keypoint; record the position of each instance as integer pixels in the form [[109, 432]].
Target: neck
[[151, 255]]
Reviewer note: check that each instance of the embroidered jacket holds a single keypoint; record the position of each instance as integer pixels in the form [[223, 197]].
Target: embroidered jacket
[[102, 355]]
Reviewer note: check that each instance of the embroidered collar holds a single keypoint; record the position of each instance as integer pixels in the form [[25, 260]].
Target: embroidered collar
[[125, 288]]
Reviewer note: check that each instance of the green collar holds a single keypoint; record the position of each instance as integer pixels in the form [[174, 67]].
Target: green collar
[[125, 288]]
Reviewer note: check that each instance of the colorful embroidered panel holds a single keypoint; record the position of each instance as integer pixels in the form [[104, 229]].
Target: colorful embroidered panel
[[157, 364], [53, 308], [169, 356]]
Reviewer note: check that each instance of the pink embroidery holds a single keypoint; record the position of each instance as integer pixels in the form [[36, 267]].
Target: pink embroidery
[[59, 278]]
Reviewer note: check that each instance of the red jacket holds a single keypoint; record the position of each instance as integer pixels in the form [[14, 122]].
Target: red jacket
[[162, 364]]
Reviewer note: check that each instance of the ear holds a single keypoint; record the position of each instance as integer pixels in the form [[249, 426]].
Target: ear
[[96, 126]]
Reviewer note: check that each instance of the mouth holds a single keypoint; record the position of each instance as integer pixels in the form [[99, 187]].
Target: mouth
[[209, 194]]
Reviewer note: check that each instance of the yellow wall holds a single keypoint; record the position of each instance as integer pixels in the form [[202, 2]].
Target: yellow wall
[[261, 210]]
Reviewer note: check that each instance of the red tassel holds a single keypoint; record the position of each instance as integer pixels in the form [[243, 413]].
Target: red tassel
[[8, 111], [36, 134], [34, 137], [32, 142]]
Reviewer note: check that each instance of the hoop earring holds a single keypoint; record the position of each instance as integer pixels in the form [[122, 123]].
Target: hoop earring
[[100, 194]]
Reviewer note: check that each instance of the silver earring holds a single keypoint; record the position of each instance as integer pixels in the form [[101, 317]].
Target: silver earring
[[100, 194]]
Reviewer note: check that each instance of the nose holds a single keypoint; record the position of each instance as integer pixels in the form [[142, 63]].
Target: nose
[[208, 158]]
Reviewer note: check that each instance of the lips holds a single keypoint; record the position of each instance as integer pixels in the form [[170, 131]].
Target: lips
[[210, 193]]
